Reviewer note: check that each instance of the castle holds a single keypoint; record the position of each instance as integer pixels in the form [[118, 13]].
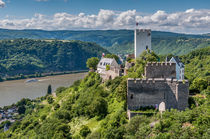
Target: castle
[[163, 86]]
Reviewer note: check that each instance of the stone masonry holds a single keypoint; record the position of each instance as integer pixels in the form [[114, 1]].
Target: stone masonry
[[159, 86], [151, 92], [160, 70]]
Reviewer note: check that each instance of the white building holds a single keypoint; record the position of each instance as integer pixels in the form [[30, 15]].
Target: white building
[[179, 68], [101, 67], [113, 72], [142, 41]]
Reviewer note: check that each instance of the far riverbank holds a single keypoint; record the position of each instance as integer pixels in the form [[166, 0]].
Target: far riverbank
[[38, 75]]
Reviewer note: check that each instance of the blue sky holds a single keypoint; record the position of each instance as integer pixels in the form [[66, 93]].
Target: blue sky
[[106, 14]]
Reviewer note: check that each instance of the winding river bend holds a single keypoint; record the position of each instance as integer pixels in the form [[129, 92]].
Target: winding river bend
[[13, 91]]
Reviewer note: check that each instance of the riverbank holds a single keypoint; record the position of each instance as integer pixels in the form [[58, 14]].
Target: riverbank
[[38, 75]]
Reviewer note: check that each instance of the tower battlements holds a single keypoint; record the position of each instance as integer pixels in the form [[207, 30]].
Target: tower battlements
[[155, 80], [160, 64], [143, 30], [160, 70]]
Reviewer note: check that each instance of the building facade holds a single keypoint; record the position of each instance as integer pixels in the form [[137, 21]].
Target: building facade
[[179, 68], [113, 71]]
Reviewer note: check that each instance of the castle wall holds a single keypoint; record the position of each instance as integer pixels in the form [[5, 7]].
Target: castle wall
[[160, 70], [183, 94], [151, 92], [142, 39]]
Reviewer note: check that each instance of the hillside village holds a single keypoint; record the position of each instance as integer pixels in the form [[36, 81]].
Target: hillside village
[[163, 85], [10, 115]]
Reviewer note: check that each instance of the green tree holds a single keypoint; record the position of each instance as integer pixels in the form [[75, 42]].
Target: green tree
[[112, 56], [1, 79], [50, 99], [49, 90], [92, 63], [21, 109], [199, 84], [107, 67]]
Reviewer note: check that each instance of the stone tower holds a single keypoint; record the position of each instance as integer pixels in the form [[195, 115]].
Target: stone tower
[[142, 41]]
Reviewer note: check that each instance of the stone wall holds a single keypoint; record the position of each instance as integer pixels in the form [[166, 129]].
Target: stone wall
[[151, 92], [183, 93], [112, 73], [160, 70]]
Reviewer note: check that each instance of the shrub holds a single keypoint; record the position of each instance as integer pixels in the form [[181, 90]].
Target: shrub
[[84, 131], [50, 99], [60, 90]]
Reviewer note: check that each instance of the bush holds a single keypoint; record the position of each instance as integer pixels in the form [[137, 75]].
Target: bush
[[50, 99], [21, 109], [60, 90], [98, 107], [56, 106], [84, 131], [199, 84]]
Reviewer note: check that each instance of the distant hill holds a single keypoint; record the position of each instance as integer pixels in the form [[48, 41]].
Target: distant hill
[[26, 56], [163, 46], [208, 34], [118, 41]]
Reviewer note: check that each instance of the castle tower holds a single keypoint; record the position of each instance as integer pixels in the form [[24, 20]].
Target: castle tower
[[142, 41]]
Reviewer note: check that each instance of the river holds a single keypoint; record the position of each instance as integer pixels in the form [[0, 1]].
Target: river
[[13, 91]]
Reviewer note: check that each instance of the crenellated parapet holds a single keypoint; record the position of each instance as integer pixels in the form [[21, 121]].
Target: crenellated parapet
[[160, 70], [160, 64]]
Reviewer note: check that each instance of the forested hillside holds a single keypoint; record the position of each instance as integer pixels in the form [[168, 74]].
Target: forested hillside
[[197, 64], [163, 46], [93, 109], [118, 41], [26, 56]]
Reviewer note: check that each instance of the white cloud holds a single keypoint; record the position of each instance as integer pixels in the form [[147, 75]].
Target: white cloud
[[2, 4], [189, 21]]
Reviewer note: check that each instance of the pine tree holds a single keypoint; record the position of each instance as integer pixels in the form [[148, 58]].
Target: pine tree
[[49, 90]]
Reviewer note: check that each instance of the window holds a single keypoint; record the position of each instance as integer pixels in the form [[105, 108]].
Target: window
[[146, 47], [131, 96]]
